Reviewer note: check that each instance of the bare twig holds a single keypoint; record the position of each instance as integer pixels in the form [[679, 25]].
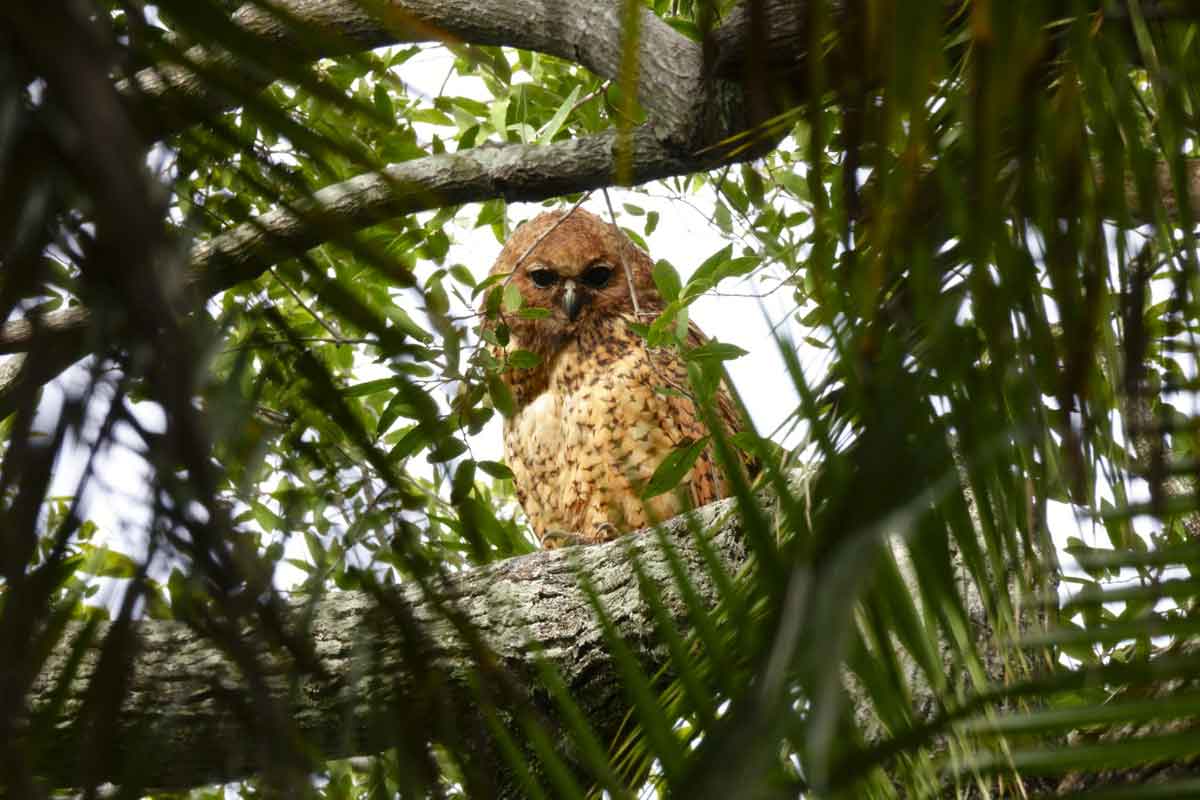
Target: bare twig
[[637, 309]]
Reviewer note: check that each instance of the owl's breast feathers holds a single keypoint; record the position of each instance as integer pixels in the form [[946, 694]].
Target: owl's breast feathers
[[592, 423]]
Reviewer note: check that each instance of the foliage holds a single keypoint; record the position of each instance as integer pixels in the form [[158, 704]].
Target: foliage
[[984, 226]]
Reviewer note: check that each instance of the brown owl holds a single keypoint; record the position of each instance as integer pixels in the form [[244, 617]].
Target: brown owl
[[600, 410]]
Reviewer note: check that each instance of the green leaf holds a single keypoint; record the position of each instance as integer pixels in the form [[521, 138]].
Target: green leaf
[[499, 118], [105, 563], [546, 135], [400, 318], [661, 330], [673, 468], [446, 449], [462, 275], [714, 351], [523, 359], [490, 213], [667, 280], [370, 387], [463, 481], [267, 519], [501, 395], [651, 223], [512, 298], [383, 101], [496, 470], [715, 269], [431, 116]]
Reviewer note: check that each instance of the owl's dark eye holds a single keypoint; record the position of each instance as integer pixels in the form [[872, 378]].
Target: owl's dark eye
[[543, 278], [597, 276]]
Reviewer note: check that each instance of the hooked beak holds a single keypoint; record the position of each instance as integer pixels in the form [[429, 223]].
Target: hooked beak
[[573, 300]]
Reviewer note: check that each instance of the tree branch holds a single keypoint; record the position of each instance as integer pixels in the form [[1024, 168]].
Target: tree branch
[[180, 720], [588, 32], [515, 172]]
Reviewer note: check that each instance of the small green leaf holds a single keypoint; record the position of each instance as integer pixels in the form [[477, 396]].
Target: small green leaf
[[391, 412], [431, 116], [753, 183], [490, 213], [463, 481], [672, 469], [462, 275], [681, 325], [714, 351], [412, 441], [712, 262], [106, 563], [404, 322], [502, 398], [712, 272], [383, 102], [534, 313], [560, 116], [523, 359], [667, 280], [651, 222], [496, 470], [512, 298], [446, 449], [370, 387], [266, 518], [499, 118]]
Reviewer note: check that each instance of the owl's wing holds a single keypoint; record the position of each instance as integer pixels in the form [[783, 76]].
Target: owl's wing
[[707, 484]]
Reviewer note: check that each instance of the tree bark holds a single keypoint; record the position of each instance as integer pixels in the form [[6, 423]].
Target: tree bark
[[169, 97], [183, 721]]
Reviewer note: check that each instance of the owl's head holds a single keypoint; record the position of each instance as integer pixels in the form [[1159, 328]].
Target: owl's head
[[570, 263]]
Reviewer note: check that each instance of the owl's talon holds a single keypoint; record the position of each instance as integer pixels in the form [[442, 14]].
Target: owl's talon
[[554, 539]]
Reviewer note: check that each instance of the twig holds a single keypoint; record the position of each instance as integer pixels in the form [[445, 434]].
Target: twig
[[304, 305], [637, 310], [587, 98]]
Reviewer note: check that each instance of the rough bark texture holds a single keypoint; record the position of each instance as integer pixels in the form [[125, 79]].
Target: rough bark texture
[[180, 721], [514, 172], [588, 32]]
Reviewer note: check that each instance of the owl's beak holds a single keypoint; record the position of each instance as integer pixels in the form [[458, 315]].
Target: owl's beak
[[573, 300]]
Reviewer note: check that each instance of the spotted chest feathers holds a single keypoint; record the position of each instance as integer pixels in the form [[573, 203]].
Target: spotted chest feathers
[[590, 429]]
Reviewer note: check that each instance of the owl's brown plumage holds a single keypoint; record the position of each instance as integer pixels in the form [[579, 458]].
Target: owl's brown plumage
[[601, 410]]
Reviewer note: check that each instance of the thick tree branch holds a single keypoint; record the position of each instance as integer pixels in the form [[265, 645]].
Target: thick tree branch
[[515, 172], [587, 32], [180, 719]]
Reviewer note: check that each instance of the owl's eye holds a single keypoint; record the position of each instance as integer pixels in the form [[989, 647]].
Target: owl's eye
[[543, 278], [597, 276]]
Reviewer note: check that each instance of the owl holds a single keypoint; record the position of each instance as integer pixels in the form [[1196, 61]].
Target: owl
[[600, 410]]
